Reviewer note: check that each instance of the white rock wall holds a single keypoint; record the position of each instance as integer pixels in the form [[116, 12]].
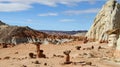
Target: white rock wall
[[108, 18]]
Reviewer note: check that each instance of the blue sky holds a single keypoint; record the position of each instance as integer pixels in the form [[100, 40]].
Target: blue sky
[[50, 14]]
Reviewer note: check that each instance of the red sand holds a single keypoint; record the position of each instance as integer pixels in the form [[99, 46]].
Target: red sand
[[19, 56]]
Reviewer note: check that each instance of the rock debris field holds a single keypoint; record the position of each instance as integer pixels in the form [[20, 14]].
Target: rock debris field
[[81, 55]]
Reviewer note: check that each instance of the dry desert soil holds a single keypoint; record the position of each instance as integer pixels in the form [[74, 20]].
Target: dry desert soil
[[87, 56]]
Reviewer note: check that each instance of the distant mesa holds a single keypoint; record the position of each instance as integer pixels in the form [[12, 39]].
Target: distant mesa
[[17, 34], [74, 33]]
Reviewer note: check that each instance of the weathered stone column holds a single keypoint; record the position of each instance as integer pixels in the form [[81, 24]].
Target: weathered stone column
[[38, 49], [112, 40], [67, 53]]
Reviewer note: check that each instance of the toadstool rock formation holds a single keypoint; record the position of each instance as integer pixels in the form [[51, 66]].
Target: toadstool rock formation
[[38, 49], [67, 53], [107, 20]]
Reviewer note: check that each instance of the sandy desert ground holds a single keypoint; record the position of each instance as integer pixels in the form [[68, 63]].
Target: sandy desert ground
[[85, 57]]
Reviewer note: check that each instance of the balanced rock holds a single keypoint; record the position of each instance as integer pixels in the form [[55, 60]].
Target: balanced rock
[[107, 22]]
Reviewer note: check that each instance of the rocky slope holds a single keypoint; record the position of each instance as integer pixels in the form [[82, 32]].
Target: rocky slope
[[107, 22], [76, 33], [16, 35]]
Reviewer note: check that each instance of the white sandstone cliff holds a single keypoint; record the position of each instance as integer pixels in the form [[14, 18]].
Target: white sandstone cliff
[[106, 22]]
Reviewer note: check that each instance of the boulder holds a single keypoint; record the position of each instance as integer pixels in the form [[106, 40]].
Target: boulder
[[112, 40]]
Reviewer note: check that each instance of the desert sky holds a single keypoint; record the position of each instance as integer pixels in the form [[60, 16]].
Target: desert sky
[[50, 14]]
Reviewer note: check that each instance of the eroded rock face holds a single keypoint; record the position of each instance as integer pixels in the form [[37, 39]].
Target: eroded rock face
[[16, 35], [117, 51], [107, 19], [118, 44]]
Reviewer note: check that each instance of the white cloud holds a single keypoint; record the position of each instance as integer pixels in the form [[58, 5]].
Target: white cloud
[[20, 5], [92, 1], [29, 20], [48, 14], [11, 7], [67, 20], [77, 12]]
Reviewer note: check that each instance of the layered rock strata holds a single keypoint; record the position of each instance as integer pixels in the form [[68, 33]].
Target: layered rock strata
[[106, 22]]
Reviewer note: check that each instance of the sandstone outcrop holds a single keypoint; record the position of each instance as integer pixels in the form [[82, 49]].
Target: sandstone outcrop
[[17, 34], [106, 26], [107, 22], [117, 51]]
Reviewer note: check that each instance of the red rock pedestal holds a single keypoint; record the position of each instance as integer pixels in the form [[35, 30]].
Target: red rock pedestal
[[67, 59], [38, 49]]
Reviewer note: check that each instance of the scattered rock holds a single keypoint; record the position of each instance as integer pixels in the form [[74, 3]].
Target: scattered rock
[[23, 66], [61, 56], [37, 62], [84, 48], [84, 53], [88, 55], [89, 63], [54, 55], [117, 60], [16, 52], [4, 45], [78, 47], [19, 59], [88, 48], [92, 47], [82, 63], [31, 55], [45, 64], [99, 47], [0, 58], [7, 57], [105, 58], [67, 62], [42, 55], [25, 58], [78, 63]]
